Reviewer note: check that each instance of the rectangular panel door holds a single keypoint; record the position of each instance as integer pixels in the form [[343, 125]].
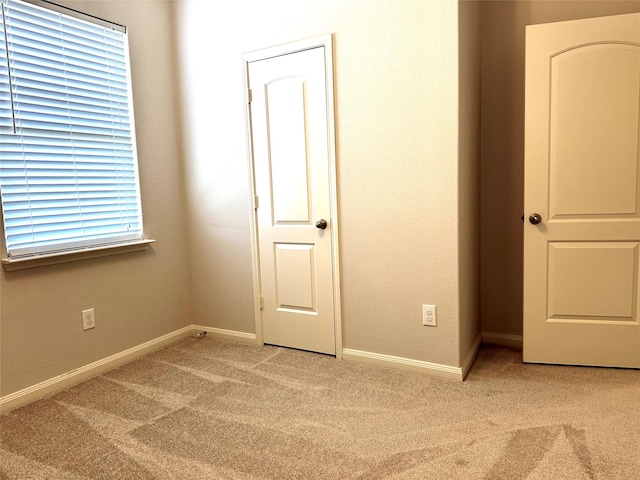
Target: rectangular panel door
[[582, 201], [291, 174]]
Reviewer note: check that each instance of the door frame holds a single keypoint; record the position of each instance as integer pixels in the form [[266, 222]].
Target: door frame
[[325, 41]]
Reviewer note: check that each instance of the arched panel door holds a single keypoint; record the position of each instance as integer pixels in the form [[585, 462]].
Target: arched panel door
[[582, 195], [290, 126]]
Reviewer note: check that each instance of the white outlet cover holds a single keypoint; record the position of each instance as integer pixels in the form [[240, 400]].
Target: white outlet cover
[[88, 319], [429, 317]]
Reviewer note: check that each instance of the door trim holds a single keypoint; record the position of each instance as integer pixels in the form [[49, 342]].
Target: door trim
[[325, 41]]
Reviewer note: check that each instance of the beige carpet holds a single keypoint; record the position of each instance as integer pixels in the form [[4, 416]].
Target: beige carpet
[[210, 409]]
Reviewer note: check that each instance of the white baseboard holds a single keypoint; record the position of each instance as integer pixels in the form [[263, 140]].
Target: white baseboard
[[55, 384], [471, 356], [228, 334], [390, 361], [504, 339], [48, 387]]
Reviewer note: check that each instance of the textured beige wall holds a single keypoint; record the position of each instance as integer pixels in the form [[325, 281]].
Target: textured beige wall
[[139, 296], [502, 164], [469, 174], [396, 69]]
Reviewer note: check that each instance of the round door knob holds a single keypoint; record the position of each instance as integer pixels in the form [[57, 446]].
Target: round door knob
[[535, 218], [321, 224]]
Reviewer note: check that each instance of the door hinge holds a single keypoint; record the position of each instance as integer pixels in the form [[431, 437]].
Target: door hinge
[[249, 95], [256, 202], [261, 303]]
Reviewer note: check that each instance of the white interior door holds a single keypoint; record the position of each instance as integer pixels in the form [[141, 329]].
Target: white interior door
[[291, 160], [581, 185]]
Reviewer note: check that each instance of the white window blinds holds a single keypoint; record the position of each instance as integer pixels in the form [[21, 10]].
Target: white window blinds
[[68, 167]]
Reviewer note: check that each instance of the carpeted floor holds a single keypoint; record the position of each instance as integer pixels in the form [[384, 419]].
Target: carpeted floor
[[208, 409]]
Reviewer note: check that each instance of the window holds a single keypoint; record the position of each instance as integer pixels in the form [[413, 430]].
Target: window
[[68, 166]]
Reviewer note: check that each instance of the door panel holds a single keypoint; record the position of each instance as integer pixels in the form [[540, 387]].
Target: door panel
[[582, 129], [289, 127], [592, 281], [295, 278], [582, 182], [285, 104]]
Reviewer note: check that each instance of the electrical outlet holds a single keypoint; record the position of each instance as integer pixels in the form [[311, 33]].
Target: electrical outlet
[[88, 319], [429, 315]]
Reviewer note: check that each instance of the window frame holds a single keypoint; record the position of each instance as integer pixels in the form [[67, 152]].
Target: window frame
[[70, 252]]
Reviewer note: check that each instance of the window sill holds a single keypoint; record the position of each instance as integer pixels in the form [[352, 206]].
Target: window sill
[[11, 265]]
